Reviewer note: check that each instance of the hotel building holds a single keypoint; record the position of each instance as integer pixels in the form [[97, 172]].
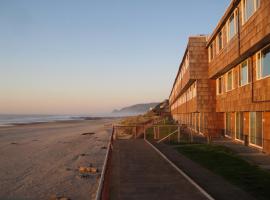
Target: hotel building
[[238, 77], [192, 98]]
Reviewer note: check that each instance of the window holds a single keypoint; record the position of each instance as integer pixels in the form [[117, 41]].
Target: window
[[244, 73], [239, 126], [194, 90], [228, 125], [229, 81], [258, 65], [201, 123], [232, 26], [193, 120], [211, 52], [255, 128], [223, 84], [263, 63], [219, 85], [248, 8], [258, 3], [220, 41], [197, 115]]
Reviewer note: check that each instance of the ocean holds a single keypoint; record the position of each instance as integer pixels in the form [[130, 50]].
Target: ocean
[[9, 120]]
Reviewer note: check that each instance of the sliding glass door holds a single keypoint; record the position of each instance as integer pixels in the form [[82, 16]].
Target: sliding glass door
[[197, 115], [255, 128], [201, 122], [239, 125], [228, 125]]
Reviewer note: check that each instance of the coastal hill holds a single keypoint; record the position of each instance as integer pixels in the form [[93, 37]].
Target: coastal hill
[[135, 109]]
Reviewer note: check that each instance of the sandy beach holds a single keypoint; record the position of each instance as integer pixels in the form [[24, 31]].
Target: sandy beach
[[39, 161]]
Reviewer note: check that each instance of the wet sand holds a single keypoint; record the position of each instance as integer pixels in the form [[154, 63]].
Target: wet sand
[[39, 161]]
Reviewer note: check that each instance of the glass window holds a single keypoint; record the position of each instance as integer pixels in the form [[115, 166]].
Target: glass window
[[201, 123], [223, 84], [252, 131], [194, 90], [255, 128], [228, 124], [211, 53], [197, 115], [259, 124], [244, 73], [239, 125], [249, 7], [231, 27], [258, 66], [220, 42], [229, 81], [193, 120], [258, 3], [265, 68]]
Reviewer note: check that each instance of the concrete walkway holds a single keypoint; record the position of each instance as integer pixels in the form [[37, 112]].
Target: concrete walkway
[[139, 172], [215, 185], [250, 154]]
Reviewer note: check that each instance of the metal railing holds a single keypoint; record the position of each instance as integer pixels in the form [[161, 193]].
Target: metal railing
[[176, 134], [101, 193], [163, 132]]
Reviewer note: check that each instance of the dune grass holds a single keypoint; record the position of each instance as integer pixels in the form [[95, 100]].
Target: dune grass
[[223, 161], [139, 119]]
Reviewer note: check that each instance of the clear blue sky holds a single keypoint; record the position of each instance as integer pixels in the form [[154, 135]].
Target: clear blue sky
[[76, 56]]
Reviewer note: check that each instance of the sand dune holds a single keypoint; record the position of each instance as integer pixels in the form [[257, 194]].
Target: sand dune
[[41, 160]]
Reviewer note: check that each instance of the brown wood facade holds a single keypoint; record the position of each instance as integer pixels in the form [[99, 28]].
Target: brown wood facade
[[192, 99], [231, 72]]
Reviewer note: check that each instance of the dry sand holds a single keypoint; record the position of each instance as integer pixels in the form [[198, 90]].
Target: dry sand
[[41, 160]]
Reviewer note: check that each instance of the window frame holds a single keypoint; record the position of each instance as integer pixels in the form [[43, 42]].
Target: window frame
[[219, 48], [219, 85], [256, 3], [228, 115], [260, 63], [255, 126], [239, 126], [227, 74], [240, 73], [211, 52], [235, 26], [258, 66]]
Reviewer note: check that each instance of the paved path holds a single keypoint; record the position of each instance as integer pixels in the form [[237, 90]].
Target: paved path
[[139, 172], [216, 186], [252, 155]]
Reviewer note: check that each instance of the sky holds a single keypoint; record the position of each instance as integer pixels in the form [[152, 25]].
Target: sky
[[89, 57]]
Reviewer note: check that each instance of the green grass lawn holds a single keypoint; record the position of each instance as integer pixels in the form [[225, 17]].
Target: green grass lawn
[[226, 163]]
